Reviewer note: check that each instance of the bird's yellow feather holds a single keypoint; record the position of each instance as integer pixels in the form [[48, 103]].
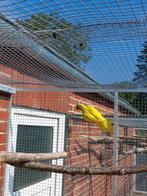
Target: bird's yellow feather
[[91, 114], [85, 113], [95, 113], [105, 125]]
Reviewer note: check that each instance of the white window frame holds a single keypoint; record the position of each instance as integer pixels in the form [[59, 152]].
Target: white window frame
[[134, 176], [27, 116]]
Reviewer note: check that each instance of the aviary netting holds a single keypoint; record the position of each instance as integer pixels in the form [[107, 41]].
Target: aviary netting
[[104, 39], [96, 50]]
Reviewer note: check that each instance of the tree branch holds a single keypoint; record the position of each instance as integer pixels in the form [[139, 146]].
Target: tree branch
[[108, 140], [82, 170], [30, 161], [13, 157], [135, 151], [99, 139]]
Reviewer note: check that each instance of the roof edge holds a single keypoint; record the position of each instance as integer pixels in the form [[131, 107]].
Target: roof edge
[[63, 63]]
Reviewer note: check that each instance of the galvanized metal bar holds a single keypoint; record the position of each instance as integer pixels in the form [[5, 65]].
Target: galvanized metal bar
[[8, 148], [85, 89], [115, 146]]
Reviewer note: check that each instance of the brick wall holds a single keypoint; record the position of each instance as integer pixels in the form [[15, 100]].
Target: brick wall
[[50, 101], [85, 153], [82, 152], [4, 110]]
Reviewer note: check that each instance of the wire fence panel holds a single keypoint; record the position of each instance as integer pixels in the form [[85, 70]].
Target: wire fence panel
[[73, 106], [104, 39], [50, 122]]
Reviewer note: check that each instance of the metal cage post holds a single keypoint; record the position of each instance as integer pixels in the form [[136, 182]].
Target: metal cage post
[[115, 146]]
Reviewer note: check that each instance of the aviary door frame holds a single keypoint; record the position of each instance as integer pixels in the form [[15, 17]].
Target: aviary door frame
[[27, 116]]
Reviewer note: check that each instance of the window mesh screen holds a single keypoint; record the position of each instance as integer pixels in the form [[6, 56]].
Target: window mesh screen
[[32, 139], [57, 55]]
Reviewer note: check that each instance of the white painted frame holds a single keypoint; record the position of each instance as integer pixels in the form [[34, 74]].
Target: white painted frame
[[134, 176], [28, 116]]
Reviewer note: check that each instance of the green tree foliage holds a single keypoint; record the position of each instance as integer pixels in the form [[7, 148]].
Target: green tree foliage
[[68, 40], [141, 73], [139, 100]]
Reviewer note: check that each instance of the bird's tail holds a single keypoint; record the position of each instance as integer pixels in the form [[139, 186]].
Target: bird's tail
[[105, 126], [110, 127]]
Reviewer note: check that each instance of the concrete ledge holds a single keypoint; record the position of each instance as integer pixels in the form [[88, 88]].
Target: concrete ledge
[[7, 89]]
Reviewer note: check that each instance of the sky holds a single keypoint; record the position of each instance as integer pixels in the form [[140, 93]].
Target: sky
[[116, 31]]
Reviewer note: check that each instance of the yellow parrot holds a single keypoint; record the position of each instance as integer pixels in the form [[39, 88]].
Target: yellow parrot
[[91, 114], [86, 114]]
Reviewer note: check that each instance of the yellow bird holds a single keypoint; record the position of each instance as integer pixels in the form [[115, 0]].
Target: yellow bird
[[87, 116], [91, 114]]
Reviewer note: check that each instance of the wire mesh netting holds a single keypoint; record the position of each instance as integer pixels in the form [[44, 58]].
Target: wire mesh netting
[[104, 39], [59, 59], [49, 122]]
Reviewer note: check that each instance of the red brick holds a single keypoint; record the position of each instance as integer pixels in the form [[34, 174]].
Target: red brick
[[3, 115], [3, 138], [4, 103], [2, 147], [1, 170], [1, 183], [3, 127]]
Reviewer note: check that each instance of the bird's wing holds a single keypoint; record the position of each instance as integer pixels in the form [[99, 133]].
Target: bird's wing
[[95, 113], [86, 114], [89, 117], [105, 125], [91, 114]]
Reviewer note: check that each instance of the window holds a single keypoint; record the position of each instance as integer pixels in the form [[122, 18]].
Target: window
[[35, 131], [34, 139]]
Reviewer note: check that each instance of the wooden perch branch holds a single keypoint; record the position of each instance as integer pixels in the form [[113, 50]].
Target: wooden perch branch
[[82, 170], [30, 161], [99, 139], [108, 140], [135, 151], [13, 157]]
